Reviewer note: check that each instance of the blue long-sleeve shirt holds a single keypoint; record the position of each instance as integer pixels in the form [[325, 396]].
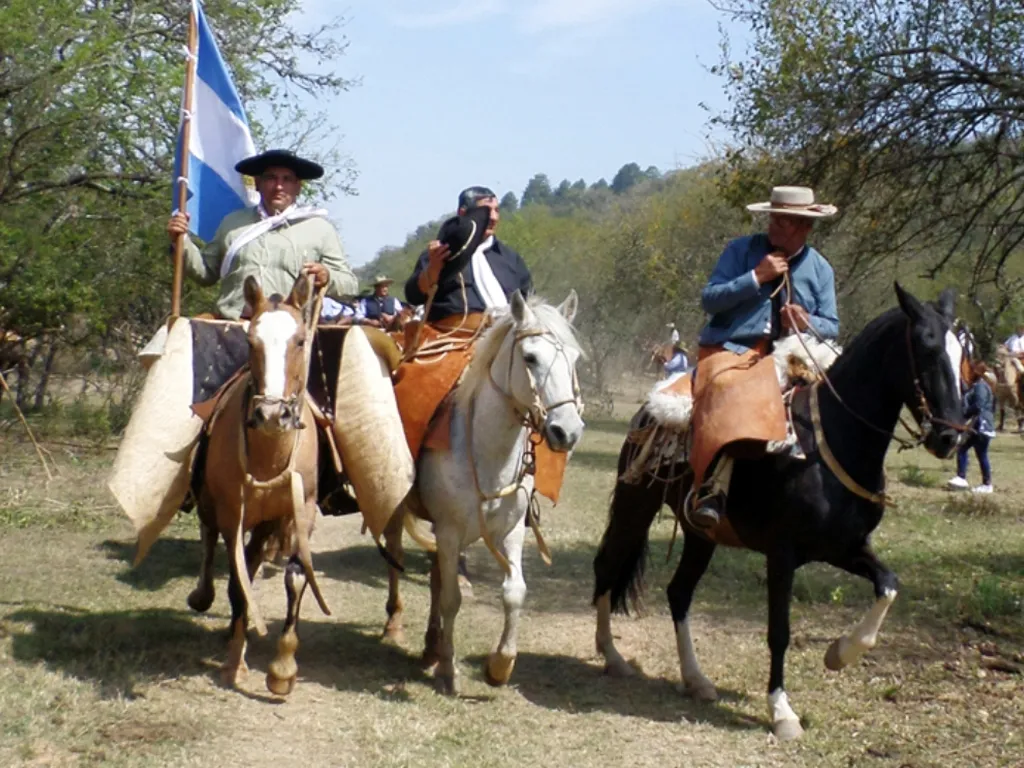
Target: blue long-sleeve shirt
[[979, 407], [741, 308]]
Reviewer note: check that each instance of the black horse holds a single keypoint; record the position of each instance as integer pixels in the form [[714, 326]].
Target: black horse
[[798, 511]]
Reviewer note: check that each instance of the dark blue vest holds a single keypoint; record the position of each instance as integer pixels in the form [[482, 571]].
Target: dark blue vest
[[376, 306]]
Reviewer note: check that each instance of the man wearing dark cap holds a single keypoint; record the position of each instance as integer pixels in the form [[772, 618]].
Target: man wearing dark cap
[[276, 240], [474, 281]]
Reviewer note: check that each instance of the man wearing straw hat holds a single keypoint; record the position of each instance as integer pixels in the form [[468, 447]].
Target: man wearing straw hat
[[764, 286], [381, 309], [277, 240]]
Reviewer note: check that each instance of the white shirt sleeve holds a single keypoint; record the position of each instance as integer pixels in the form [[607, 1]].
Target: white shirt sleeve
[[360, 309]]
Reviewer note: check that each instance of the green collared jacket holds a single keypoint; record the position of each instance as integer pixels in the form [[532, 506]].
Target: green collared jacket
[[276, 258]]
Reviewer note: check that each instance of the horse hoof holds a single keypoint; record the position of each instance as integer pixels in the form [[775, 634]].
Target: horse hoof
[[393, 635], [703, 690], [280, 686], [232, 677], [200, 600], [446, 685], [833, 659], [619, 668], [498, 669], [787, 730]]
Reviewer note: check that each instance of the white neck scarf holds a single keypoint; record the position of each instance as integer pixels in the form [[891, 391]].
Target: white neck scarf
[[266, 224], [486, 283]]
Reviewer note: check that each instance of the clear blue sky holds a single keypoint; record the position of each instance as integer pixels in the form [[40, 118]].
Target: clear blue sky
[[462, 92]]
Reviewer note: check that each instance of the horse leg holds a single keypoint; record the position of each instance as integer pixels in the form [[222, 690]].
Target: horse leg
[[254, 549], [393, 629], [201, 598], [697, 553], [785, 723], [498, 668], [283, 669], [621, 557], [450, 601], [432, 638], [862, 638], [235, 668]]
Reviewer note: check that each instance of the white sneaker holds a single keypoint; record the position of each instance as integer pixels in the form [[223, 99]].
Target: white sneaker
[[957, 484], [981, 489]]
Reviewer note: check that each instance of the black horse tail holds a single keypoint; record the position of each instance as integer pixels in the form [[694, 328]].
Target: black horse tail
[[622, 557]]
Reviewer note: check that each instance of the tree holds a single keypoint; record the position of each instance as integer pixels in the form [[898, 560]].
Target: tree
[[627, 176], [538, 190], [908, 113], [509, 202]]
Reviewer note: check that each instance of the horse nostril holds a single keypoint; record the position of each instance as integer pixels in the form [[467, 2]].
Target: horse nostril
[[556, 435]]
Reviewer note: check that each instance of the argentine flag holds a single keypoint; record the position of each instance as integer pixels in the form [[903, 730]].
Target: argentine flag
[[218, 138]]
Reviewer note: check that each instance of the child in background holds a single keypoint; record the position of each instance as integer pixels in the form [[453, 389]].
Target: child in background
[[979, 411]]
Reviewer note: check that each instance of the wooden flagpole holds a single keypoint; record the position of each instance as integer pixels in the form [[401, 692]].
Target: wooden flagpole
[[182, 180]]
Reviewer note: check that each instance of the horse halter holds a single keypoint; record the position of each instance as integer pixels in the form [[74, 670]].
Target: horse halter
[[536, 413], [927, 419], [291, 402]]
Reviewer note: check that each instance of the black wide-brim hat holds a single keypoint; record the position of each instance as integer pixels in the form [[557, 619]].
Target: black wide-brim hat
[[463, 235], [280, 158]]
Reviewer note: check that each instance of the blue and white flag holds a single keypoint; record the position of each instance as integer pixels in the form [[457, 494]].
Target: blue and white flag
[[218, 138]]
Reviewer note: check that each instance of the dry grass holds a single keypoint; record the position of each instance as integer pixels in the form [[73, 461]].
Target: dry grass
[[104, 665]]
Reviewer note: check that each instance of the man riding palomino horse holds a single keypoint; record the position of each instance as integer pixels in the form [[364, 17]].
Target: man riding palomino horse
[[763, 287], [275, 242]]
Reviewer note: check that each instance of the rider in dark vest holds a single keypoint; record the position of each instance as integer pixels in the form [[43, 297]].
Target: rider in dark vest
[[381, 309]]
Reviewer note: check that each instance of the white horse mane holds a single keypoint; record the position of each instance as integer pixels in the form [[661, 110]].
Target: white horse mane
[[548, 318]]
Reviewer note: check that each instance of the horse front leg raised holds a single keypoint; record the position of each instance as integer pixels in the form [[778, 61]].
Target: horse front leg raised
[[785, 723], [201, 598], [499, 665], [697, 553], [862, 638]]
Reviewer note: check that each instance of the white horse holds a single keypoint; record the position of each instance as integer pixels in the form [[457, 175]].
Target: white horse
[[522, 379]]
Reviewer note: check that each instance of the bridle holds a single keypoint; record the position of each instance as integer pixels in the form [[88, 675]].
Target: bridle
[[536, 412]]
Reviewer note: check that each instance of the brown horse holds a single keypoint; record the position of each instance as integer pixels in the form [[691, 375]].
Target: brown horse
[[260, 475]]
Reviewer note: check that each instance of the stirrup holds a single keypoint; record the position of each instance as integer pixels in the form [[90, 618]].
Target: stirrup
[[710, 513]]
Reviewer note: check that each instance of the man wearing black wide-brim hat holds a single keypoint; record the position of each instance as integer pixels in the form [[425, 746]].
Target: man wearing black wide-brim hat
[[276, 240], [472, 270]]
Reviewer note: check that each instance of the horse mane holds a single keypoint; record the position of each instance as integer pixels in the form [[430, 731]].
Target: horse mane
[[548, 318], [864, 342]]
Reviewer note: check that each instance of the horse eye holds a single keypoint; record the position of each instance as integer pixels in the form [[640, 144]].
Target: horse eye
[[530, 359], [300, 343]]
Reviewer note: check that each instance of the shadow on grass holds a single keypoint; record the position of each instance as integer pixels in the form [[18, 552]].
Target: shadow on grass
[[569, 684], [169, 559], [119, 651]]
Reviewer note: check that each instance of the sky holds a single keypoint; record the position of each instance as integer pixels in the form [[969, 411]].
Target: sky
[[455, 93]]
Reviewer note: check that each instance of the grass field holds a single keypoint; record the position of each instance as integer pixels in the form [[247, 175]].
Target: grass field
[[101, 664]]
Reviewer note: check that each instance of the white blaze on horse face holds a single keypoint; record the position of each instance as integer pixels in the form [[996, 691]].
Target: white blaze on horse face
[[955, 353], [275, 329]]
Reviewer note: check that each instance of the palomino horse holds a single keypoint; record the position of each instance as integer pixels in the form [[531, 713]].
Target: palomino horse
[[261, 476], [522, 379], [796, 511], [1009, 389]]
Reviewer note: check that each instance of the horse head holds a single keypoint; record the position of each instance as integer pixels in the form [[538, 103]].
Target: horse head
[[933, 385], [277, 360], [541, 376]]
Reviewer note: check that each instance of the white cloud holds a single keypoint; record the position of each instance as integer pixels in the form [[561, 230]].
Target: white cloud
[[463, 12]]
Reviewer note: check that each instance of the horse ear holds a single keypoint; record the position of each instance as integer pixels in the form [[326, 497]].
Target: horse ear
[[253, 293], [521, 311], [911, 307], [569, 306], [301, 292], [946, 304]]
